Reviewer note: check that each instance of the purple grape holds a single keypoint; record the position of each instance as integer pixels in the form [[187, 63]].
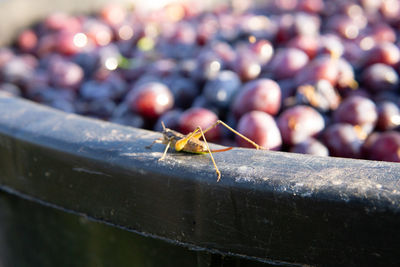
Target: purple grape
[[247, 66], [221, 90], [343, 140], [262, 94], [287, 62], [65, 74], [310, 146], [10, 88], [386, 147], [150, 100], [261, 128], [388, 116], [320, 68], [123, 114], [299, 123], [184, 90], [17, 70], [358, 111], [170, 120], [192, 118], [385, 52], [380, 77]]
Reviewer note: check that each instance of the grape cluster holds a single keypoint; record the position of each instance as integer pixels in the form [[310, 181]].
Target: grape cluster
[[306, 76]]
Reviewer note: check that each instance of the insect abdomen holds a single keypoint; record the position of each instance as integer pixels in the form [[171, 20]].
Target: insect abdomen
[[195, 147]]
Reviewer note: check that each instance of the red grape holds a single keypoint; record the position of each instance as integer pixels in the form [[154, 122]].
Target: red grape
[[287, 62], [308, 44], [262, 94], [380, 77], [299, 123], [310, 146], [388, 116], [27, 40], [321, 68], [343, 140], [357, 110], [261, 128], [150, 99], [386, 53], [192, 118], [386, 147]]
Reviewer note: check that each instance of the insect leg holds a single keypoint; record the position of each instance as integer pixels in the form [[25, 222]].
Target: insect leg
[[180, 144], [209, 128], [165, 152], [157, 141], [209, 152], [235, 132]]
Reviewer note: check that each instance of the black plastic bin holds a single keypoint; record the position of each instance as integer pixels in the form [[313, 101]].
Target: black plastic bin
[[83, 192]]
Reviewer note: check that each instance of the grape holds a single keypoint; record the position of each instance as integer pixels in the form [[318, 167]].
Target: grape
[[162, 68], [100, 108], [308, 44], [263, 49], [199, 117], [58, 21], [382, 32], [10, 88], [386, 147], [247, 66], [320, 68], [330, 45], [312, 6], [208, 66], [345, 26], [221, 90], [150, 100], [380, 77], [261, 128], [65, 43], [27, 40], [357, 110], [6, 54], [262, 94], [184, 90], [123, 114], [113, 14], [225, 52], [17, 70], [170, 120], [287, 62], [97, 32], [88, 61], [385, 53], [65, 74], [388, 116], [299, 123], [310, 146], [343, 140]]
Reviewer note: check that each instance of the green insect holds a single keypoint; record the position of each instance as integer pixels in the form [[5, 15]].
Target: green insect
[[191, 142]]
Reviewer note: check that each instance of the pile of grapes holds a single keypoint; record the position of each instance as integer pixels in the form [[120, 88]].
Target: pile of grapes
[[307, 76]]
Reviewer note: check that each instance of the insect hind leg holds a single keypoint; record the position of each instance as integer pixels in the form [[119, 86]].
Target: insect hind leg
[[235, 132], [209, 152]]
